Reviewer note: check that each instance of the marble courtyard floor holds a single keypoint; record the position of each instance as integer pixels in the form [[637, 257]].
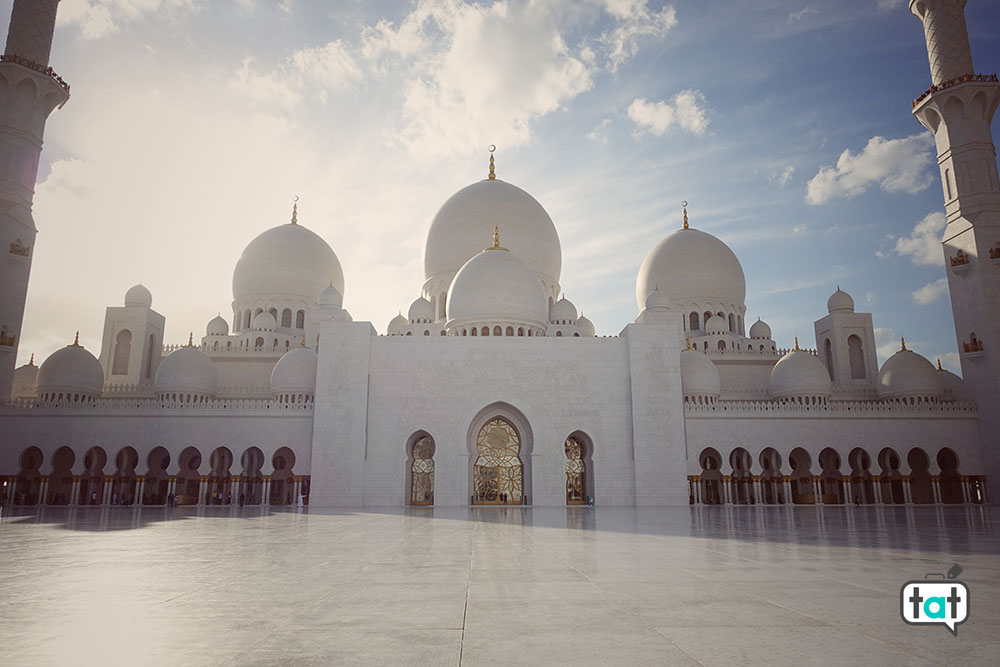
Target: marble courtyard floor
[[481, 586]]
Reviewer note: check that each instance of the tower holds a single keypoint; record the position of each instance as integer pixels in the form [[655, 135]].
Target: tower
[[132, 345], [958, 108], [846, 343], [29, 92]]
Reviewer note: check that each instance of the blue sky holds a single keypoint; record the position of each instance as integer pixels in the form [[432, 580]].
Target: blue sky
[[786, 125]]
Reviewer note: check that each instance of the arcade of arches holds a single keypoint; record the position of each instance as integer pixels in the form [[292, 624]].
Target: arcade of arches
[[829, 482], [245, 483]]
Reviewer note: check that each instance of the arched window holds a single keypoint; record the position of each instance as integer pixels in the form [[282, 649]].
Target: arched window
[[559, 334], [498, 473], [149, 357], [739, 320], [576, 486], [246, 324], [497, 331], [722, 346], [520, 331], [530, 333], [828, 347], [706, 316], [259, 344], [286, 318], [475, 331], [694, 322], [857, 357], [485, 331], [732, 323], [274, 313], [442, 305], [300, 319], [123, 349], [422, 472]]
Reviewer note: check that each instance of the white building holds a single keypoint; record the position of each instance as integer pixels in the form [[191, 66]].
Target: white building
[[493, 388]]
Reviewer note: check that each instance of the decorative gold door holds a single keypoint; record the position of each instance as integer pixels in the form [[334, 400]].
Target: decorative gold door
[[422, 473], [576, 487], [498, 475]]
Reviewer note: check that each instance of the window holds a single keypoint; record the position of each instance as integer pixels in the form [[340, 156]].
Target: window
[[149, 357], [123, 350], [857, 357], [286, 318], [497, 331], [510, 331], [300, 319], [829, 357], [694, 322]]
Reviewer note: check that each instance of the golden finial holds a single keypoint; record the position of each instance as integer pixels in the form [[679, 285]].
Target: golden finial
[[689, 342], [902, 344], [191, 339], [684, 204], [76, 341], [303, 343], [939, 363], [295, 211], [32, 362], [797, 344], [493, 173], [496, 240]]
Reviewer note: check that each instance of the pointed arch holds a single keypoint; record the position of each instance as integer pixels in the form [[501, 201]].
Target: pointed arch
[[500, 442]]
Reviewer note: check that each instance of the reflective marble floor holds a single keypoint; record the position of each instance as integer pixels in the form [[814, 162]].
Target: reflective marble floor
[[679, 586]]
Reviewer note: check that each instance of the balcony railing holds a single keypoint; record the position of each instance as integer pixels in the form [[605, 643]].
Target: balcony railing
[[965, 78], [31, 64]]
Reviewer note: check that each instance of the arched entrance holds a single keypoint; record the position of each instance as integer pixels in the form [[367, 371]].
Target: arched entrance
[[862, 487], [891, 478], [498, 473], [61, 479], [157, 481], [576, 472], [29, 478], [711, 477], [421, 463], [802, 483], [251, 477], [124, 480], [220, 485], [831, 481], [92, 482], [921, 490], [741, 482], [282, 479], [950, 480], [188, 477], [773, 480]]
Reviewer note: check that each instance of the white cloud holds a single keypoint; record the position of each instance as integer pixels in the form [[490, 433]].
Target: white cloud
[[949, 361], [897, 165], [923, 246], [325, 68], [797, 16], [686, 111], [886, 5], [598, 134], [930, 292], [870, 298], [799, 230], [99, 18], [286, 6], [782, 177], [636, 22], [268, 88], [886, 343], [331, 66]]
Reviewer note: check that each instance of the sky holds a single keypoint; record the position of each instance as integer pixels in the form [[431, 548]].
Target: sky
[[786, 125]]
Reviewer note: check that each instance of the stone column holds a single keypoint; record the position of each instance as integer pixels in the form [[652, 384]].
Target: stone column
[[907, 491], [140, 482]]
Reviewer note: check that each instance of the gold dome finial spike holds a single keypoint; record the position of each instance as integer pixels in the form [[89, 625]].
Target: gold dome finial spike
[[295, 211], [493, 173], [303, 343], [76, 341], [939, 362], [902, 344], [684, 205], [689, 342], [496, 236], [796, 343], [191, 339], [32, 362]]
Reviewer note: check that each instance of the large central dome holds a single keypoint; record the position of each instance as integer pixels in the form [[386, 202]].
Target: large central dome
[[287, 261], [471, 214]]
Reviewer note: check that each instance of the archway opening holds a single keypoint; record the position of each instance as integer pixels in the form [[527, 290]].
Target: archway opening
[[950, 481], [577, 489], [61, 479], [741, 481], [772, 481], [92, 481], [220, 482], [421, 467], [251, 477], [862, 485], [831, 480], [890, 477], [711, 477], [282, 478], [498, 472], [123, 482], [802, 483], [921, 489], [188, 477], [157, 480], [28, 486]]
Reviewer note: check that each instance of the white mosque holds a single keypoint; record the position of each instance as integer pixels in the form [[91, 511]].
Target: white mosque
[[493, 389]]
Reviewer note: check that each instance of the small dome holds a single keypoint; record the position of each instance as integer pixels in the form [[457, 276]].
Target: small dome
[[759, 330], [71, 370], [497, 285], [138, 296], [692, 266], [840, 302], [264, 322], [397, 325], [585, 326], [286, 261], [953, 386], [186, 370], [330, 297], [699, 376], [800, 373], [907, 374], [217, 326], [470, 215], [657, 299], [716, 325], [295, 372], [421, 310], [563, 309]]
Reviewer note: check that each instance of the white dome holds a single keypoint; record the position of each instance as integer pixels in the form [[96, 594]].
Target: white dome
[[286, 261], [716, 325], [563, 309], [840, 302], [138, 296], [906, 374], [699, 376], [953, 387], [800, 373], [585, 326], [471, 214], [71, 370], [657, 299], [421, 310], [397, 325], [330, 297], [497, 286], [264, 321], [759, 330], [692, 266], [186, 370], [295, 372], [217, 326]]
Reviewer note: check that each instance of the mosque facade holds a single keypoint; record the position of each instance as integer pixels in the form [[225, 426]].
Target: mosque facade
[[494, 389]]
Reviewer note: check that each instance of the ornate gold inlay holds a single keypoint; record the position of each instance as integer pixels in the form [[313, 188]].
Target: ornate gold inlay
[[422, 473], [498, 470], [576, 493]]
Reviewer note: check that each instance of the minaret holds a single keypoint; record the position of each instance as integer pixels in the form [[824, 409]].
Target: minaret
[[29, 91], [958, 108]]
